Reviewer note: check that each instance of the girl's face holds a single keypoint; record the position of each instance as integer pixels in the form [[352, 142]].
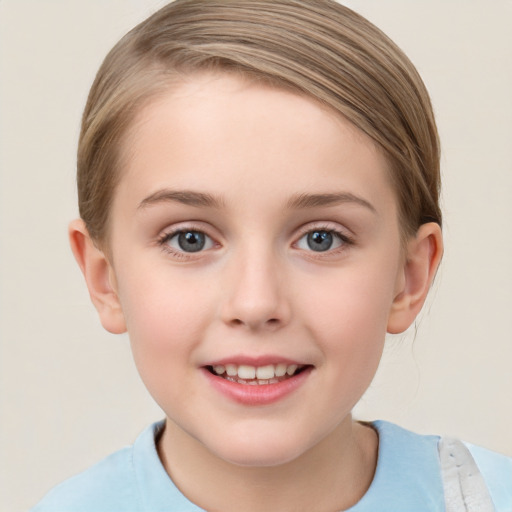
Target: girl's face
[[254, 234]]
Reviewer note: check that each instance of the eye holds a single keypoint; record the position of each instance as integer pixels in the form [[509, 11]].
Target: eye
[[321, 240], [188, 241]]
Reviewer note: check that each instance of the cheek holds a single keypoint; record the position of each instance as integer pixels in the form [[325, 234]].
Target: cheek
[[165, 318], [354, 302], [156, 301], [347, 313]]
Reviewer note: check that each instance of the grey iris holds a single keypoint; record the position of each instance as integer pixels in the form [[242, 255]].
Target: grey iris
[[191, 241], [319, 241]]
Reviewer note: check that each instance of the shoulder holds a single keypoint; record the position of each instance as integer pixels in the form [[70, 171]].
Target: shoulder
[[130, 480], [409, 466], [406, 449], [496, 471], [407, 475], [113, 484], [109, 485]]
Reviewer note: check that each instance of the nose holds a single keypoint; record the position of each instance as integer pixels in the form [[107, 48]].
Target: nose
[[256, 296]]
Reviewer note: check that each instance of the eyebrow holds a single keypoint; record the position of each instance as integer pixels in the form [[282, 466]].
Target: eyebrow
[[299, 201], [186, 197], [316, 200]]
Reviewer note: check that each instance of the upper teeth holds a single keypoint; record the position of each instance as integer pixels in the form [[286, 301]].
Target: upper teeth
[[246, 372]]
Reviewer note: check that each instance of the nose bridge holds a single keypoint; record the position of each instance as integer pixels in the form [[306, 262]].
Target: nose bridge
[[257, 296]]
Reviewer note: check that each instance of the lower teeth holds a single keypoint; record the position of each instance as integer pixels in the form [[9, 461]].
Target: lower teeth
[[254, 382]]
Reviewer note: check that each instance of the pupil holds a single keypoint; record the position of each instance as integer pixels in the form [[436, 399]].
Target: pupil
[[320, 241], [191, 241]]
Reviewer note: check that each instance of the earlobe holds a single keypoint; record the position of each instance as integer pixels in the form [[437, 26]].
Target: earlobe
[[424, 253], [99, 277]]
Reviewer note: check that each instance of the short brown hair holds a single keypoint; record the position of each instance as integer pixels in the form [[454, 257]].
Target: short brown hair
[[317, 47]]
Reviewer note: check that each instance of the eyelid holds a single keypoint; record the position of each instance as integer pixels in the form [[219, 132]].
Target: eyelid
[[333, 227], [169, 239], [344, 234], [180, 227], [170, 232]]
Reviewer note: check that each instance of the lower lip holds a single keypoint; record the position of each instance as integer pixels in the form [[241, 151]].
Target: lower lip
[[260, 394]]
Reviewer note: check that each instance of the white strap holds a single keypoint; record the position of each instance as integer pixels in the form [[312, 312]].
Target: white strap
[[464, 487]]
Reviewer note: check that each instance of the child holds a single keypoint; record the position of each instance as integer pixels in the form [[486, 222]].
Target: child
[[258, 187]]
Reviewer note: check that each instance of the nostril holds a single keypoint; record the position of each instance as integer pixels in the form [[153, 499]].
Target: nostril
[[271, 322]]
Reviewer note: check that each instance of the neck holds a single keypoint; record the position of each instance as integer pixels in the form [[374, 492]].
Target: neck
[[333, 475]]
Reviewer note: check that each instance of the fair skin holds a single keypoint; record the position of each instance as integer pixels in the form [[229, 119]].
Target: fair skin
[[252, 227]]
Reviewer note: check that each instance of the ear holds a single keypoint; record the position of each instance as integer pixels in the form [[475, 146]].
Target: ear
[[422, 259], [99, 276]]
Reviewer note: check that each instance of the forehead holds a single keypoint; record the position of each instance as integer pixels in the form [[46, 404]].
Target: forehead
[[214, 129]]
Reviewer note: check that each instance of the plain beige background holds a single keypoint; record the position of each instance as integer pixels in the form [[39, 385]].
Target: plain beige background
[[69, 391]]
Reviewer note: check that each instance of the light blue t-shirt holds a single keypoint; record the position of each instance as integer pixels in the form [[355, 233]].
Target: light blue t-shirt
[[407, 479]]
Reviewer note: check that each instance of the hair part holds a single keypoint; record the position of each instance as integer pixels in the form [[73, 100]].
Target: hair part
[[316, 47]]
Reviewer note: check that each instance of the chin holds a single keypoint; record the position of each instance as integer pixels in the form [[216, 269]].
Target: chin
[[259, 452]]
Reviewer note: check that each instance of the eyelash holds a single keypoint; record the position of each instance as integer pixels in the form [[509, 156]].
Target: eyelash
[[167, 236], [344, 239]]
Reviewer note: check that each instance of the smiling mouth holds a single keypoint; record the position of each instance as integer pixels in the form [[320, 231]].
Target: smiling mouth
[[256, 375]]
